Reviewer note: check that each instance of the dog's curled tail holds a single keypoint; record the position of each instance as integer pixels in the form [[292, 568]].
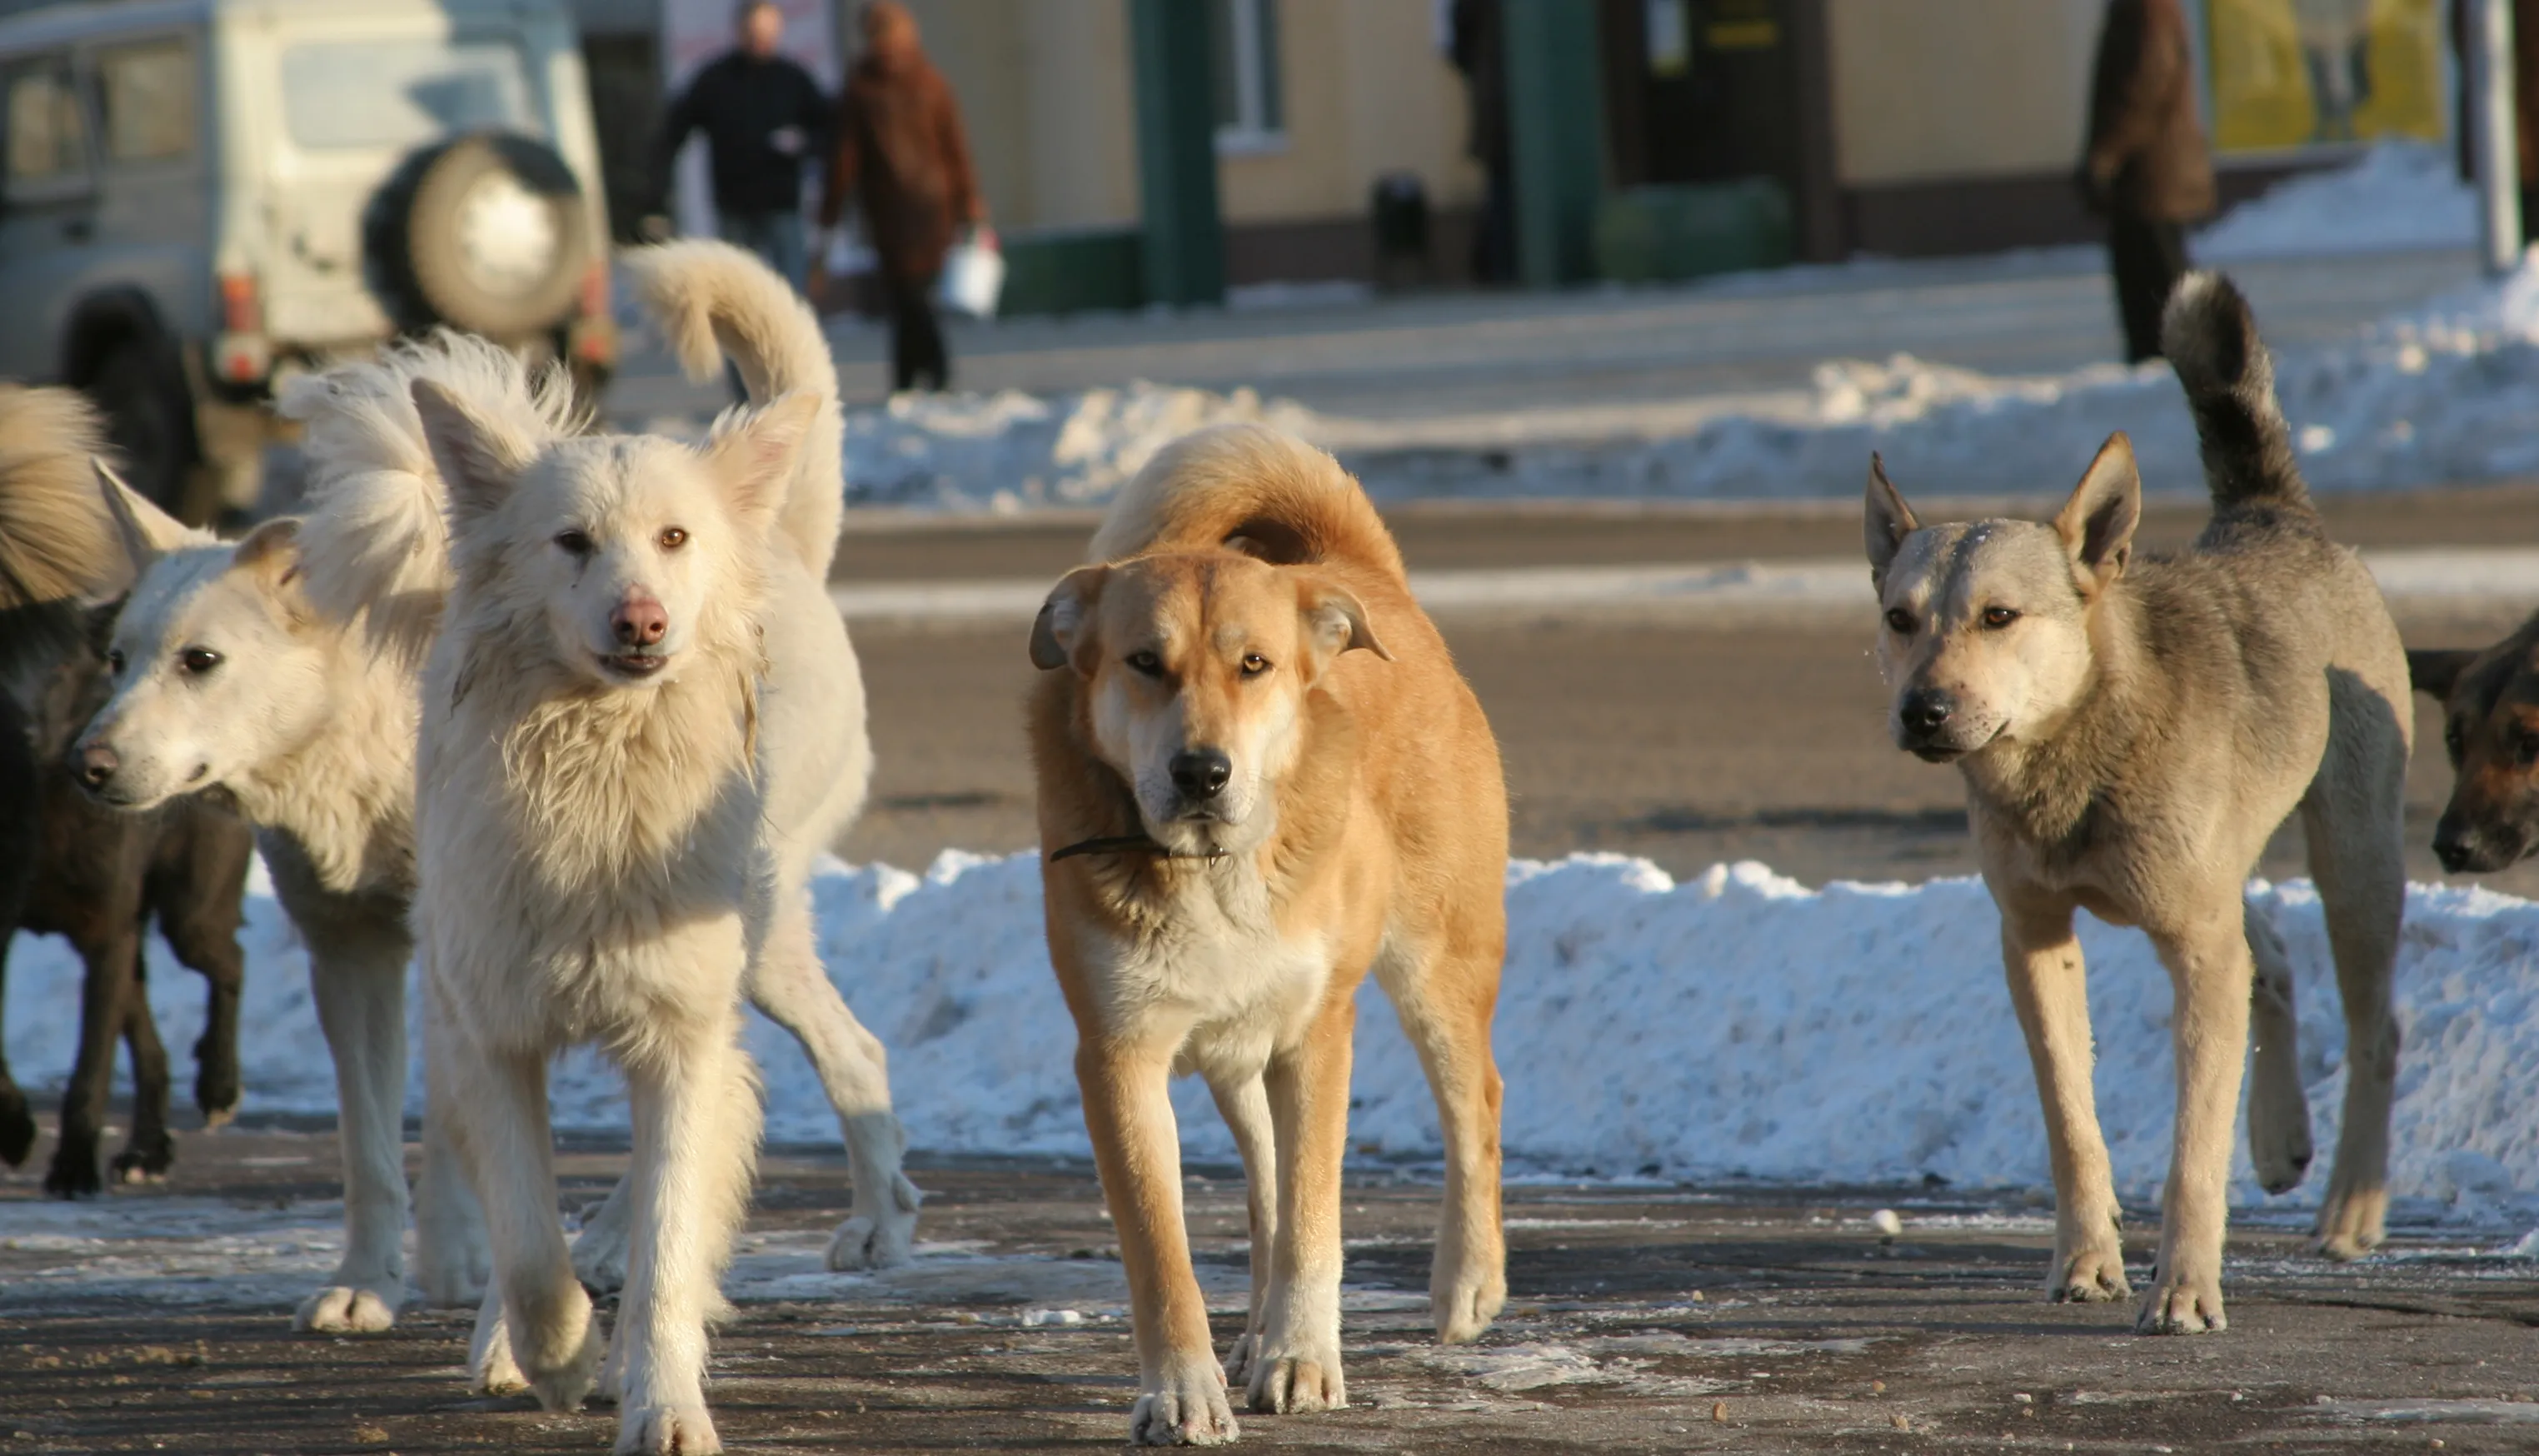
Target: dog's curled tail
[[2211, 339], [57, 538], [713, 299], [1256, 487], [375, 544]]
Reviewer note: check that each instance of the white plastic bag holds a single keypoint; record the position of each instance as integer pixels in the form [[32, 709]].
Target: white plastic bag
[[973, 274]]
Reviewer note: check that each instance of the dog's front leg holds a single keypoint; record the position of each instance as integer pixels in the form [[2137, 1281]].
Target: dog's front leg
[[2210, 968], [1180, 1387], [499, 1106], [360, 989], [1244, 1103], [1297, 1366], [696, 1140], [2050, 987]]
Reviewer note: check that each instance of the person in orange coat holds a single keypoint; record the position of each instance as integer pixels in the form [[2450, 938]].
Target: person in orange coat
[[902, 157]]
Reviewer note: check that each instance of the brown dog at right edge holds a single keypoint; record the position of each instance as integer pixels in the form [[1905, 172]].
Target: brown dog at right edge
[[2132, 731], [1260, 777]]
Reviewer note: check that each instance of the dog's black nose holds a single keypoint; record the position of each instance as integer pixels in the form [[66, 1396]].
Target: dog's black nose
[[1202, 772], [2462, 848], [97, 763], [1924, 711]]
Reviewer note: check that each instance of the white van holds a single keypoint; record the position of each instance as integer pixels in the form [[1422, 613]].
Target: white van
[[202, 195]]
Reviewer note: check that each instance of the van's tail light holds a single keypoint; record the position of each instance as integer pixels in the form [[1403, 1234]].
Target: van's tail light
[[595, 291], [241, 355], [593, 338]]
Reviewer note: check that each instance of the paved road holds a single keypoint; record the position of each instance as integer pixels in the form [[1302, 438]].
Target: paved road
[[1684, 742], [1471, 354], [1643, 1318]]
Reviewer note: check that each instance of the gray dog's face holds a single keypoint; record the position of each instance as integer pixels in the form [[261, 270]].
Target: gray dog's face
[[1984, 634]]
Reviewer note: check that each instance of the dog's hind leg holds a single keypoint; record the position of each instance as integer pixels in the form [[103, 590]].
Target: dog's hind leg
[[2049, 990], [2357, 854], [109, 978], [2279, 1143], [2213, 979], [148, 1150], [199, 914], [696, 1140], [533, 1305], [452, 1264], [786, 983], [1445, 1002], [1244, 1103], [358, 981]]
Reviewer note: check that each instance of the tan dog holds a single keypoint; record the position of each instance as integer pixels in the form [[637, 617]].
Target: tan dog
[[2132, 732], [2490, 699], [1260, 777]]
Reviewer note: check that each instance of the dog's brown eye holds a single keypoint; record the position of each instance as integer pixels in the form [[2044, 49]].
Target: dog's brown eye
[[1900, 621], [673, 538], [573, 543], [1147, 662], [198, 659], [1254, 664], [2455, 738], [1998, 617]]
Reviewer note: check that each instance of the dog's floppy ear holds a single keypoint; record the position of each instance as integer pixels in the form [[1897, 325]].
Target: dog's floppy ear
[[753, 455], [1887, 522], [476, 464], [2435, 671], [1336, 622], [2098, 524], [1065, 619], [147, 532]]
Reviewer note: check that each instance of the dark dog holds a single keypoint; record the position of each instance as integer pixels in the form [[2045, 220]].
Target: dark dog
[[2490, 699], [72, 867]]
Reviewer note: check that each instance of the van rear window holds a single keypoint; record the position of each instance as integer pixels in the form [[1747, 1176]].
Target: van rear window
[[402, 92]]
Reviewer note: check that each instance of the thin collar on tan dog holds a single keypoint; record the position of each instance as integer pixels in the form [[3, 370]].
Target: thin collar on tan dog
[[1130, 844]]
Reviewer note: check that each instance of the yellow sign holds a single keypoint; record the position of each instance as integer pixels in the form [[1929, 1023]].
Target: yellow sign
[[2297, 73]]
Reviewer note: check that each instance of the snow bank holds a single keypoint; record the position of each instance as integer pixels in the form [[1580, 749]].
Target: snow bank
[[1734, 1025], [2399, 194]]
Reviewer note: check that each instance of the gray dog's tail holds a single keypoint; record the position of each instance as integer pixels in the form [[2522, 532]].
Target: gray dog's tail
[[2211, 340]]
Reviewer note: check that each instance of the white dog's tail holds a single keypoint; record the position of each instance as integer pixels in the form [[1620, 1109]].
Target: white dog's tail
[[377, 536], [713, 299], [1253, 487]]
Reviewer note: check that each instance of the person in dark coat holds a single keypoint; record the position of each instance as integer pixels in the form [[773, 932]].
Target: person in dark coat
[[2147, 169], [902, 156], [2525, 106], [1479, 50], [763, 118]]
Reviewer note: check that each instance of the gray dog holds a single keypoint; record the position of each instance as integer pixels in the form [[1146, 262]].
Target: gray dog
[[2132, 732]]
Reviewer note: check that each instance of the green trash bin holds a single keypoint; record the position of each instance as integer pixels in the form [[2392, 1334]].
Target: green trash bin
[[1661, 234]]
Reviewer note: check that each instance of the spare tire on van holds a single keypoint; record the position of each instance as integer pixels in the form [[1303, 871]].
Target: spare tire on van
[[486, 233]]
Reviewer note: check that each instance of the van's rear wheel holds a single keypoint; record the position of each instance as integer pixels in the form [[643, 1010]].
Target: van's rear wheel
[[146, 423], [493, 237]]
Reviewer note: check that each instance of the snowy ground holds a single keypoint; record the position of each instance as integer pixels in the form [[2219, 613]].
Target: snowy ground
[[1734, 1025]]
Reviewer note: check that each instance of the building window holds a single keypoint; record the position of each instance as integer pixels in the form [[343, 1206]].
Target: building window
[[1248, 114]]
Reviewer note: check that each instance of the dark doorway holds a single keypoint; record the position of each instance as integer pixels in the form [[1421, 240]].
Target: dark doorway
[[1701, 91], [625, 70]]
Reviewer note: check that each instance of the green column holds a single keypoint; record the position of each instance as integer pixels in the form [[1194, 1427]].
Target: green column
[[1184, 241], [1556, 130]]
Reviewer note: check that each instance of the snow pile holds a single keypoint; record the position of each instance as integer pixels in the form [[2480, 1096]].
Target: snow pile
[[2399, 194], [1734, 1025], [1009, 451]]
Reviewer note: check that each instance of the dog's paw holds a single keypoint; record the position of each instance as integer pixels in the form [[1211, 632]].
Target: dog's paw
[[565, 1385], [16, 1127], [1464, 1305], [2090, 1277], [346, 1309], [599, 1256], [2186, 1306], [216, 1086], [452, 1272], [491, 1368], [146, 1159], [1187, 1409], [1238, 1360], [666, 1430], [884, 1237], [2352, 1224], [1296, 1383], [73, 1173]]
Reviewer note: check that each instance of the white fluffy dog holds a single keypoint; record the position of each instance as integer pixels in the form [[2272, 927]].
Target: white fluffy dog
[[631, 750]]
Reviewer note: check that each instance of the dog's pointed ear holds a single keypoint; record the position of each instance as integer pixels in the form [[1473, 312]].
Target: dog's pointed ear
[[1885, 522], [1336, 622], [753, 455], [476, 465], [1064, 626], [2435, 671], [146, 532], [2098, 524], [271, 555]]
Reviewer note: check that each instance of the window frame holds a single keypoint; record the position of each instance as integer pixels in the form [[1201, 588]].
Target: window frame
[[92, 66], [1259, 79], [75, 186]]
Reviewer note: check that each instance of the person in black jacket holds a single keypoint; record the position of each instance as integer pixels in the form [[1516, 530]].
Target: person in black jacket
[[764, 118]]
